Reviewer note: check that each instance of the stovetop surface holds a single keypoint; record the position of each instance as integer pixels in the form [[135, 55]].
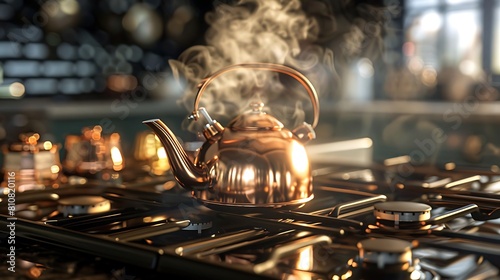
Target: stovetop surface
[[153, 228]]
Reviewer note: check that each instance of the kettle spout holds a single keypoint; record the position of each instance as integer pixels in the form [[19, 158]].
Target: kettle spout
[[186, 173]]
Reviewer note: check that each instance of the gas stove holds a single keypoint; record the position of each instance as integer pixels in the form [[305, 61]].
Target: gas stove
[[363, 223]]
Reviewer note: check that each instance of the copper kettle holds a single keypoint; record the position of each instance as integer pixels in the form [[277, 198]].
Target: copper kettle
[[253, 162]]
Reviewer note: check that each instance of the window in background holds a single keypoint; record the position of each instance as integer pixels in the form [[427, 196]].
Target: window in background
[[495, 63], [443, 48], [422, 37], [444, 32], [462, 47]]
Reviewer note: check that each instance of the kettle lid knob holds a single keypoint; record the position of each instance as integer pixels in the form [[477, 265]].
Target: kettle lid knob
[[257, 106], [255, 119]]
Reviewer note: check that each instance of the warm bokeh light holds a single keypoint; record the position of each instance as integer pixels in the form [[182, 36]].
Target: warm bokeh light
[[429, 76], [55, 169], [346, 275], [450, 166], [162, 154], [47, 145], [12, 91], [305, 260], [16, 90], [143, 23], [116, 156], [150, 145], [114, 137], [176, 24], [33, 139], [160, 163], [122, 83], [96, 132], [69, 7], [34, 272]]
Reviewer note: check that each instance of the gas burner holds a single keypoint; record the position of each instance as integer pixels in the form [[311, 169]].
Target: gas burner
[[415, 218], [80, 205], [388, 258], [199, 223], [384, 252], [198, 226], [402, 214]]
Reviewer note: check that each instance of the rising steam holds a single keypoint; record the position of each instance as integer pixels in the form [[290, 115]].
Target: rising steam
[[269, 31]]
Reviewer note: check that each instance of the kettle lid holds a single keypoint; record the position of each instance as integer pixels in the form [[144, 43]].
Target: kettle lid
[[255, 119]]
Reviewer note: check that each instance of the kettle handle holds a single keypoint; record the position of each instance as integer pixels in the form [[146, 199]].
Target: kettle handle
[[262, 66]]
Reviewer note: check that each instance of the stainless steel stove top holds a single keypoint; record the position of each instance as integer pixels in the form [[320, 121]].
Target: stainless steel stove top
[[362, 224]]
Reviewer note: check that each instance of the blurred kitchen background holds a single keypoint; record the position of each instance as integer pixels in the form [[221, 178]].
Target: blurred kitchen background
[[415, 80]]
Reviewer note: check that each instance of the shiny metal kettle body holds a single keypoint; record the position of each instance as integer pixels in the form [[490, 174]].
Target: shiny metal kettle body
[[253, 162]]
